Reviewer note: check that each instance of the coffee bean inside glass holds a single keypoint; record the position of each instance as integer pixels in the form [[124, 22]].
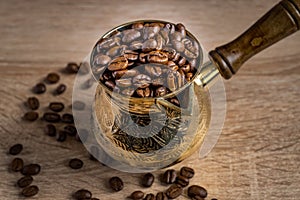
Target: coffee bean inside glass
[[149, 113]]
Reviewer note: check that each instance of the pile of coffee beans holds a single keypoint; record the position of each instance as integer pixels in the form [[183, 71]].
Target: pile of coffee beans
[[146, 59]]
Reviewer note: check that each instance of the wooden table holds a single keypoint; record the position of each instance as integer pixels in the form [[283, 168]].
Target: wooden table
[[258, 153]]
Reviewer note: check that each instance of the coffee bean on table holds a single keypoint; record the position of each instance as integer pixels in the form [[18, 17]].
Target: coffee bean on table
[[196, 190], [61, 136], [67, 118], [71, 130], [161, 196], [147, 180], [52, 78], [31, 116], [56, 106], [116, 183], [75, 163], [16, 164], [94, 198], [169, 176], [182, 181], [174, 191], [187, 172], [15, 149], [78, 105], [149, 197], [137, 195], [31, 169], [60, 89], [72, 68], [33, 103], [24, 181], [30, 191], [50, 130], [82, 194], [39, 88], [51, 117]]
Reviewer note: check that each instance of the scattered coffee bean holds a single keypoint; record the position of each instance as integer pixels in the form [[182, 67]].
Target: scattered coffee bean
[[60, 89], [31, 169], [72, 68], [61, 136], [31, 116], [30, 191], [78, 105], [51, 117], [16, 164], [137, 195], [147, 180], [15, 149], [75, 163], [24, 181], [116, 183], [187, 172], [50, 130], [39, 88], [94, 198], [67, 118], [56, 106], [196, 190], [149, 197], [161, 196], [33, 103], [82, 194], [174, 191], [182, 181], [52, 78], [71, 130], [169, 176]]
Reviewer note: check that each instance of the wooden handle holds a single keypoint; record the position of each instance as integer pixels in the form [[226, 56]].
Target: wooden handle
[[281, 21]]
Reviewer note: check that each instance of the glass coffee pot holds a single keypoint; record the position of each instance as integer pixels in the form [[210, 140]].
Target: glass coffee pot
[[150, 100]]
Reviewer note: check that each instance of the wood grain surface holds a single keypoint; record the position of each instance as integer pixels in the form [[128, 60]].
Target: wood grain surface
[[258, 153]]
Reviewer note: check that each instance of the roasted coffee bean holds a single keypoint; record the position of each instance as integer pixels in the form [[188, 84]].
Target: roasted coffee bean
[[197, 198], [33, 103], [143, 92], [161, 91], [157, 57], [31, 116], [131, 55], [137, 195], [147, 180], [67, 118], [181, 29], [136, 45], [112, 52], [189, 76], [179, 46], [187, 172], [176, 36], [125, 73], [88, 84], [39, 88], [124, 82], [50, 130], [61, 136], [30, 191], [116, 183], [181, 61], [161, 196], [60, 89], [51, 117], [157, 82], [78, 105], [149, 45], [186, 68], [16, 164], [171, 81], [82, 194], [143, 57], [137, 25], [52, 78], [56, 106], [75, 163], [31, 169], [169, 176], [71, 130], [155, 71], [196, 190], [118, 63], [141, 81], [110, 84], [182, 181], [174, 191], [150, 32], [130, 35], [24, 181], [128, 91], [15, 149], [149, 197], [94, 198], [101, 60], [72, 68]]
